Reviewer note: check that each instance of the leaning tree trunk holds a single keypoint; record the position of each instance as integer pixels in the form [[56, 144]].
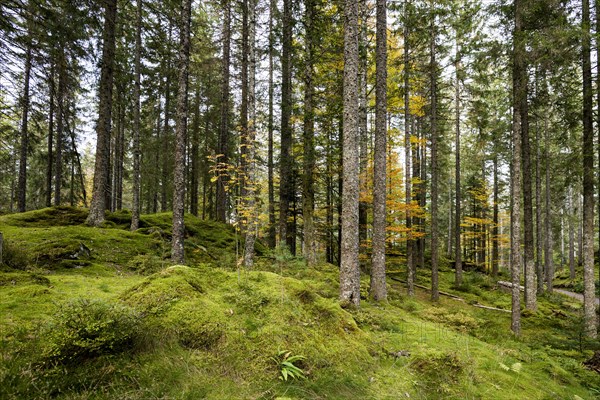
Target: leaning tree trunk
[[177, 250], [589, 300], [22, 183], [349, 267], [135, 206], [60, 127], [378, 289], [98, 204]]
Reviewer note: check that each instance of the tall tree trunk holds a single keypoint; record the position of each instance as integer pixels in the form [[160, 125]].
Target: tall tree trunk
[[285, 158], [308, 198], [195, 154], [378, 289], [349, 268], [538, 213], [62, 92], [135, 206], [223, 145], [49, 168], [549, 260], [177, 250], [589, 297], [272, 231], [434, 166], [244, 143], [597, 7], [530, 286], [252, 212], [23, 150], [165, 178], [457, 191], [363, 44], [98, 204], [571, 236], [519, 91], [495, 230], [410, 243]]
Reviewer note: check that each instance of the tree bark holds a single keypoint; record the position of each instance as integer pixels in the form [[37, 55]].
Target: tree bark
[[135, 206], [177, 250], [98, 204], [495, 230], [378, 289], [23, 150], [363, 44], [538, 212], [549, 266], [571, 236], [349, 267], [589, 300]]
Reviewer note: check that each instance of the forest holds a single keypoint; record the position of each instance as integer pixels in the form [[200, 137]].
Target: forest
[[277, 199]]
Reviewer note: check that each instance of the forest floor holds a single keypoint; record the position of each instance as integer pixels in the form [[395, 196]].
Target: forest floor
[[574, 295], [99, 313]]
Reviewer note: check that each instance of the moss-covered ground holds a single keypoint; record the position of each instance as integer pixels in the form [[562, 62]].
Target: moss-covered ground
[[99, 313]]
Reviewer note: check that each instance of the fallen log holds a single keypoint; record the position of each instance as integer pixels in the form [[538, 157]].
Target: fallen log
[[510, 285]]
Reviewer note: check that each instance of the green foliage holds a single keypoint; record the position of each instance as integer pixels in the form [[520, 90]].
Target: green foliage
[[86, 329], [13, 257], [285, 363]]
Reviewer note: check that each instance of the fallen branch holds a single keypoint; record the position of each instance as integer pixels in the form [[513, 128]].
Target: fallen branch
[[509, 285], [453, 296]]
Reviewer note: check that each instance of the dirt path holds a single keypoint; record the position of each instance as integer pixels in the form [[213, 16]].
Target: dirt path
[[574, 295]]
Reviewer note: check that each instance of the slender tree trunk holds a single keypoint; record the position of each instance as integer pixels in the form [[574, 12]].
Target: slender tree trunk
[[571, 237], [223, 145], [410, 243], [252, 226], [362, 116], [285, 159], [165, 178], [308, 198], [22, 184], [434, 167], [589, 297], [135, 206], [195, 150], [519, 92], [349, 268], [50, 139], [177, 250], [495, 230], [98, 204], [530, 286], [378, 289], [597, 7], [538, 214], [549, 266], [62, 92], [244, 142], [272, 231], [457, 190]]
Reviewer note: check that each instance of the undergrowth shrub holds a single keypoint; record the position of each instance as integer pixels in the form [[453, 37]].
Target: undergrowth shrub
[[13, 257], [84, 329], [147, 263]]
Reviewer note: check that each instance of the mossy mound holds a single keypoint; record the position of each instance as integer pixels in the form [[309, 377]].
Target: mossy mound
[[57, 237], [239, 322]]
